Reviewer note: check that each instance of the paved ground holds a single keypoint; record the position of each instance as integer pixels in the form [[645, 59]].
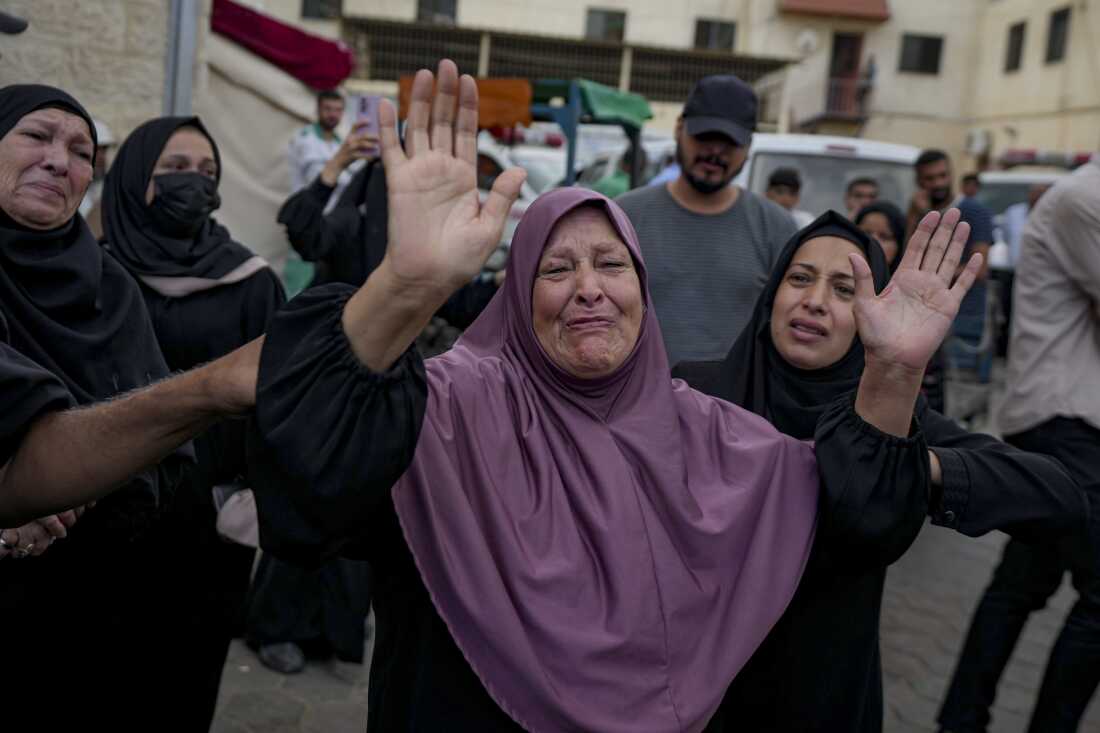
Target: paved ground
[[930, 595]]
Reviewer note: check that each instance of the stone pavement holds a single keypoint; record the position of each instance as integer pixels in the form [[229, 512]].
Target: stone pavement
[[328, 697], [930, 595]]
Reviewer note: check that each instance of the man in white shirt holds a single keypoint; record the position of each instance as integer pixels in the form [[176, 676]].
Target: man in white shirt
[[314, 144]]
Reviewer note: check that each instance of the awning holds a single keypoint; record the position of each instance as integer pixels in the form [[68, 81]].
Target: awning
[[501, 102], [870, 10], [317, 62], [599, 103]]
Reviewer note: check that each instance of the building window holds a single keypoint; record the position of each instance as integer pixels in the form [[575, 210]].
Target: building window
[[323, 9], [714, 35], [1014, 54], [921, 54], [1057, 35], [440, 12], [605, 25]]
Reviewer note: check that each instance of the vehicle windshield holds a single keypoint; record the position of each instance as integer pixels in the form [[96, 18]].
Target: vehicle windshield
[[825, 178], [998, 196]]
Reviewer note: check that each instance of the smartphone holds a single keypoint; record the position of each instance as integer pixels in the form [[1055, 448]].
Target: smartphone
[[366, 119]]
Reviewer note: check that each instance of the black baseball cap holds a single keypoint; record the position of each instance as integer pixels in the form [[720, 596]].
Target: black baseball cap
[[722, 103], [11, 25]]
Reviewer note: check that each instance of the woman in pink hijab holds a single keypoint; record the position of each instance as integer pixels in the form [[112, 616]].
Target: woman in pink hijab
[[564, 538]]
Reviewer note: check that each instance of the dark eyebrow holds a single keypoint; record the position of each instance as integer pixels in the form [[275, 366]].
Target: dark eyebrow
[[833, 275]]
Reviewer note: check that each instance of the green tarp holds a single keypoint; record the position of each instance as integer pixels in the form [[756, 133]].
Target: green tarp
[[599, 103]]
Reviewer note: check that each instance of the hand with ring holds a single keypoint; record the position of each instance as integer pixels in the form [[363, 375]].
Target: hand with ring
[[9, 540], [32, 539]]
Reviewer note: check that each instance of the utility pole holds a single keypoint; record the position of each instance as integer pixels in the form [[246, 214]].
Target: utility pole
[[183, 18]]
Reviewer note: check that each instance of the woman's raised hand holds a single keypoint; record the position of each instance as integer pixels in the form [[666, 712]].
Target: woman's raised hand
[[440, 234], [905, 324]]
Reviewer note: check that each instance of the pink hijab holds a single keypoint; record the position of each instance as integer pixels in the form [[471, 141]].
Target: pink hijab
[[608, 553]]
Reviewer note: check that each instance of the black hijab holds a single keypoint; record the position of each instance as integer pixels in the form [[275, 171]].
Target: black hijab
[[129, 229], [754, 375], [897, 223], [69, 307]]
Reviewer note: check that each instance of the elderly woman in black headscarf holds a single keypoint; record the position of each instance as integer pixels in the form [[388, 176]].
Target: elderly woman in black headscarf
[[207, 295], [801, 355], [74, 331]]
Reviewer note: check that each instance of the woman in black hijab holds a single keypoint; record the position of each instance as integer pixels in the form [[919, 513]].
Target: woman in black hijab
[[207, 295], [819, 667], [75, 619], [885, 223]]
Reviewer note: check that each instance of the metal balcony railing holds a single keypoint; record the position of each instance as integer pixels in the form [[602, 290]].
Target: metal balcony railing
[[847, 98]]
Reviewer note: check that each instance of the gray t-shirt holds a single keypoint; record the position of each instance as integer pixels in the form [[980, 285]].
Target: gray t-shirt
[[705, 270]]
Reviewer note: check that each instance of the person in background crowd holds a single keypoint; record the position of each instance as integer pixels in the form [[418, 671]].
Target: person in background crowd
[[207, 295], [74, 331], [89, 206], [933, 173], [708, 245], [618, 182], [1051, 405], [314, 145], [784, 186], [802, 363], [1013, 221], [885, 222], [859, 193], [970, 185]]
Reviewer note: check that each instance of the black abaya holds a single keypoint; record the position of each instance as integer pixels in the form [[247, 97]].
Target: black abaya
[[200, 580], [77, 620], [819, 670]]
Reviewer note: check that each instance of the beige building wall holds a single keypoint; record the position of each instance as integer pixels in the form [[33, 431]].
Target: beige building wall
[[1044, 106], [652, 23], [109, 54]]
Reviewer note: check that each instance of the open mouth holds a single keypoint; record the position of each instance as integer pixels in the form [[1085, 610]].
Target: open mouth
[[808, 329]]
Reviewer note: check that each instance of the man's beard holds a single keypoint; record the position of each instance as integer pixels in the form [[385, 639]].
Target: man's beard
[[703, 186], [939, 197], [326, 126]]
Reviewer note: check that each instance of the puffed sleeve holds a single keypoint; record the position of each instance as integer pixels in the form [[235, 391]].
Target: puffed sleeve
[[26, 391], [988, 484], [330, 437], [874, 486]]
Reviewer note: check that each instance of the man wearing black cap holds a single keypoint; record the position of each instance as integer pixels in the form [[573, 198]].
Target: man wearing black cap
[[709, 246]]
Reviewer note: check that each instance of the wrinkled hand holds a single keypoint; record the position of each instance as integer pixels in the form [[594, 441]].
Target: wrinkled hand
[[440, 234], [34, 538], [906, 323]]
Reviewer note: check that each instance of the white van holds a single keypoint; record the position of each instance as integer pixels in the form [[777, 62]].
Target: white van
[[827, 164]]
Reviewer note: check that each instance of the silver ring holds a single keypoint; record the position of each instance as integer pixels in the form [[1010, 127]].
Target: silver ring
[[4, 544], [21, 552]]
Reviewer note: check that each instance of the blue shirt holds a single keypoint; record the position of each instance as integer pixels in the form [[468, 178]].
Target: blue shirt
[[980, 220]]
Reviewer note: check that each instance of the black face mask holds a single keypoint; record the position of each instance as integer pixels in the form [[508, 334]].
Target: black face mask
[[182, 202]]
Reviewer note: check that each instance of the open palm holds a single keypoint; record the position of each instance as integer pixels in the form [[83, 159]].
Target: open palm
[[906, 323], [439, 233]]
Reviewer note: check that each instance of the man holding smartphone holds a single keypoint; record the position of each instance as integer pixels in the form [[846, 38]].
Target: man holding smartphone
[[313, 147]]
